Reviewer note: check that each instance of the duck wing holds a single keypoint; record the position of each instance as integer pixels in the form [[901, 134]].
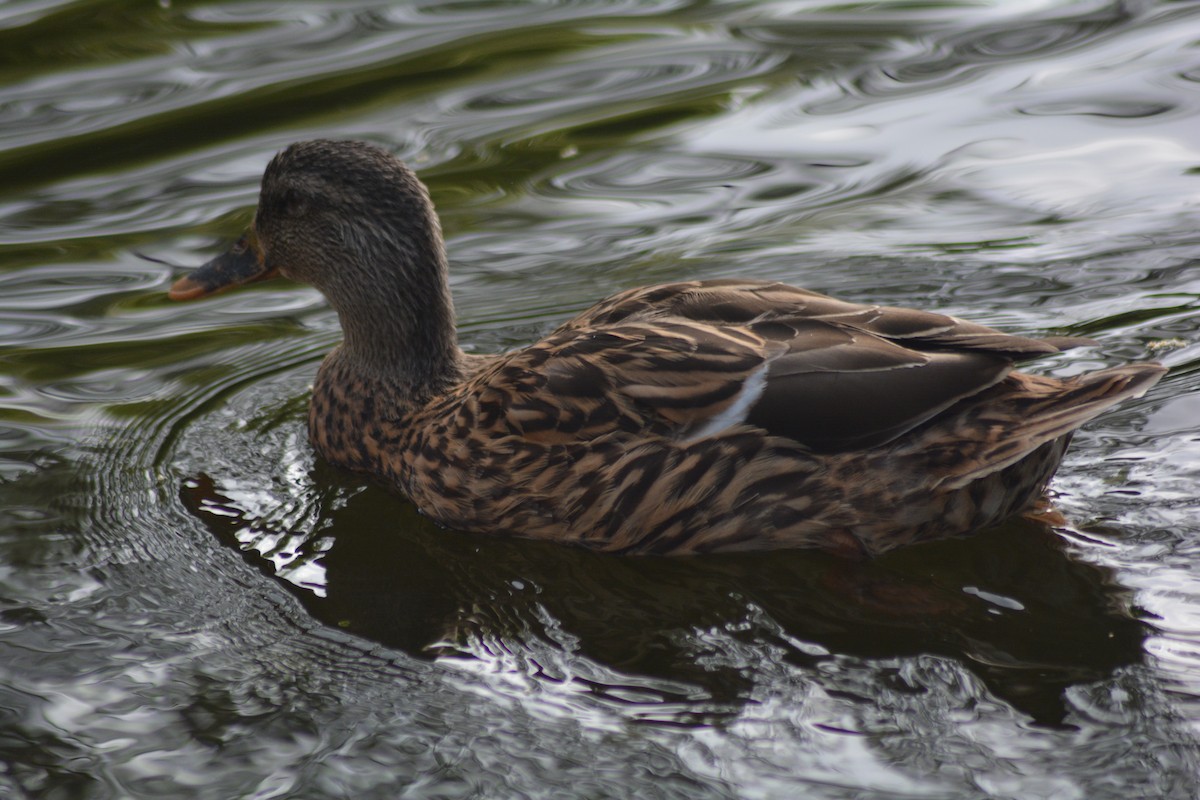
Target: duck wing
[[691, 360], [735, 301]]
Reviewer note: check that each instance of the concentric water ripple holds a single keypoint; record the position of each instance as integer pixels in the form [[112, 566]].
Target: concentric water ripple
[[638, 77]]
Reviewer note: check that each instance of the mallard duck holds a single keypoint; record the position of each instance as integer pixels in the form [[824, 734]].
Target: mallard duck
[[690, 417]]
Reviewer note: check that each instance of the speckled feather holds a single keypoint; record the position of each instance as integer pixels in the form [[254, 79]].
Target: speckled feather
[[690, 417]]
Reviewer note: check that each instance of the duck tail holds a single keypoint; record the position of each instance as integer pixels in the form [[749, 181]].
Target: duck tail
[[1026, 411]]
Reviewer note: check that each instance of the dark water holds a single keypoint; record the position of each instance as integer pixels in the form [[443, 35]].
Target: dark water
[[191, 606]]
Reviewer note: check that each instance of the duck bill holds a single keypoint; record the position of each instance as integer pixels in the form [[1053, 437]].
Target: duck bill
[[243, 263]]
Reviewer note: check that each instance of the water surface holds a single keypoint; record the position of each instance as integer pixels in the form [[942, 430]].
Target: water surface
[[192, 605]]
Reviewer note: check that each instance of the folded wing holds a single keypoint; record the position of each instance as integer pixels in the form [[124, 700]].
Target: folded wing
[[690, 360]]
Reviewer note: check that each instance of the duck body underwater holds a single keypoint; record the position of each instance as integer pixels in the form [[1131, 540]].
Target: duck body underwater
[[691, 417]]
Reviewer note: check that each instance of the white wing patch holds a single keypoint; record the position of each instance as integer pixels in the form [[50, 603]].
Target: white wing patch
[[738, 410]]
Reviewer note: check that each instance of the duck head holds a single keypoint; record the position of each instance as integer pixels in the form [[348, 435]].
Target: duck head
[[353, 221], [327, 208]]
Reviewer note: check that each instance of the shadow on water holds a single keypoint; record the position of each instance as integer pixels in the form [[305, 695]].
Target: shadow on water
[[1022, 615]]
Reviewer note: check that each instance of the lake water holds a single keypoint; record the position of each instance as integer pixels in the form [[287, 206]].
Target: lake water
[[192, 606]]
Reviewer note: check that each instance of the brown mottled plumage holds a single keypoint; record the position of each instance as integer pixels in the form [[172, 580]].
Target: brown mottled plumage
[[690, 417]]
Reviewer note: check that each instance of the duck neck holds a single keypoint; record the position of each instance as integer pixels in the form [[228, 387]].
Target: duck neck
[[399, 329]]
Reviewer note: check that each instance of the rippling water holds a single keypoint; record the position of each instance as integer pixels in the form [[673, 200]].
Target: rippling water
[[191, 605]]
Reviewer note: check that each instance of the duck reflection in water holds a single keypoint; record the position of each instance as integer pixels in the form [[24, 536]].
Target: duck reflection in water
[[688, 640]]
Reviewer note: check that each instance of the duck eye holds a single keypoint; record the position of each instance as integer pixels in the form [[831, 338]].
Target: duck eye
[[294, 204]]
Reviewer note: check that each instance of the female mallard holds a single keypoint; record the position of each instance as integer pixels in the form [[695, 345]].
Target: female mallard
[[684, 418]]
